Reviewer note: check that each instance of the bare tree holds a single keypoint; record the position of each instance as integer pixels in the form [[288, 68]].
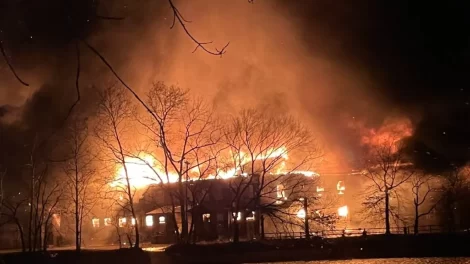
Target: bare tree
[[45, 192], [260, 143], [386, 170], [114, 115], [305, 210], [186, 137], [455, 188], [423, 187], [80, 183], [13, 205]]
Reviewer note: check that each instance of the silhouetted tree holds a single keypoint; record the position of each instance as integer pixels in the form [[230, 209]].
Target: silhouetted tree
[[386, 170], [260, 142], [115, 114], [81, 189], [423, 187], [187, 141]]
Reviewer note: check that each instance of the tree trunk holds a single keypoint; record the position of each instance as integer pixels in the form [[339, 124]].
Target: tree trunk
[[387, 213], [31, 210], [137, 234], [20, 229], [236, 230], [77, 215], [184, 220], [131, 204], [45, 237], [262, 225], [416, 225]]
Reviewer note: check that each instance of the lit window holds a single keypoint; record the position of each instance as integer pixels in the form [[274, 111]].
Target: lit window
[[107, 221], [343, 211], [122, 221], [239, 216], [149, 220], [56, 219], [251, 217], [95, 222], [161, 219], [133, 221], [341, 187], [320, 189], [280, 191], [206, 217], [301, 213]]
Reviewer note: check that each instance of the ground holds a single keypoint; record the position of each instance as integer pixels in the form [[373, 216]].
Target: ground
[[150, 248]]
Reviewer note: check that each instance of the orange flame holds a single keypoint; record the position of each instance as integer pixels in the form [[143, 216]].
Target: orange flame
[[146, 170]]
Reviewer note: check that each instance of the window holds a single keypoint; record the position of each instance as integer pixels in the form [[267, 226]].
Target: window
[[251, 217], [149, 220], [95, 222], [343, 211], [161, 219], [206, 217], [56, 219], [301, 213], [122, 221], [340, 187], [280, 191], [133, 221], [107, 221], [239, 216]]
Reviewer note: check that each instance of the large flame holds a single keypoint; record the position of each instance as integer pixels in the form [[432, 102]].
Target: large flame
[[142, 171], [145, 170], [391, 131]]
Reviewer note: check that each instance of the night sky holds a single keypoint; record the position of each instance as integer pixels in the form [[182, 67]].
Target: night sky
[[419, 54], [416, 52]]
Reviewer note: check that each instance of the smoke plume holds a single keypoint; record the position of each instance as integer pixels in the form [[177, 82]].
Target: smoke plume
[[281, 54]]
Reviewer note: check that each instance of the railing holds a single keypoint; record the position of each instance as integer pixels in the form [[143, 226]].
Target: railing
[[428, 229]]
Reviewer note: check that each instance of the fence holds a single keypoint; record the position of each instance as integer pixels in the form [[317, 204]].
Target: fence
[[429, 229]]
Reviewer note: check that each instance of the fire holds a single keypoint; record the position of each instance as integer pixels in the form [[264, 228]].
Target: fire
[[392, 130], [343, 211], [142, 171], [145, 170]]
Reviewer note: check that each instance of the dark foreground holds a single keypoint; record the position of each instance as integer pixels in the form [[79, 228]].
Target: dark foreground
[[387, 261], [272, 251]]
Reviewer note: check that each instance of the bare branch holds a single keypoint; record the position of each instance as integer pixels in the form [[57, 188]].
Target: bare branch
[[199, 44], [5, 56]]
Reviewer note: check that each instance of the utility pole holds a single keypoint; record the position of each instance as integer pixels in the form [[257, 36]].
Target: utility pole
[[306, 227], [186, 192]]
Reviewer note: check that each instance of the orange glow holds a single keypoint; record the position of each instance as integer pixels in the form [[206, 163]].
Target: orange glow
[[391, 131], [145, 170], [142, 171], [340, 187], [343, 211], [301, 213], [149, 220]]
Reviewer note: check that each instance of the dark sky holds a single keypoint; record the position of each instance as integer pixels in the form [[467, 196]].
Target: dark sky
[[417, 52]]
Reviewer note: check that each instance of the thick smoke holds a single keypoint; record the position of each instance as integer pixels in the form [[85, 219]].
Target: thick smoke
[[281, 54]]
